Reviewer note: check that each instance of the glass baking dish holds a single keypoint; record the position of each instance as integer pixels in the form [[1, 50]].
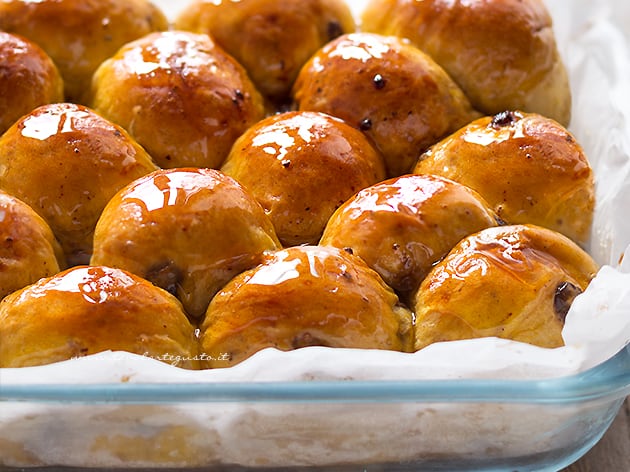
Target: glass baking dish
[[467, 424], [463, 423]]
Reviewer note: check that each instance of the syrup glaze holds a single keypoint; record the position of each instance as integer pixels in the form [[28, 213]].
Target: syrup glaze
[[187, 230], [304, 295]]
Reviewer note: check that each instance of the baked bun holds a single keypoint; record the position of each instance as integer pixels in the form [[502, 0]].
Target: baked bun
[[180, 96], [28, 248], [85, 310], [393, 92], [301, 166], [272, 39], [502, 53], [514, 282], [66, 162], [403, 226], [188, 231], [528, 168], [29, 79], [303, 296], [80, 34]]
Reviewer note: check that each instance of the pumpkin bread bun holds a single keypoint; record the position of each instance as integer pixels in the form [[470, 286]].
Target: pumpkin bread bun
[[392, 91], [180, 96], [188, 231], [85, 310], [502, 53], [301, 166], [66, 162], [29, 79], [528, 168], [303, 296], [403, 226], [28, 248], [513, 282], [272, 39], [80, 34]]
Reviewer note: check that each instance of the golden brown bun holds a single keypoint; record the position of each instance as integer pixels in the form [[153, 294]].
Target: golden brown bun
[[303, 296], [403, 226], [29, 79], [392, 91], [301, 166], [180, 96], [272, 39], [66, 162], [502, 53], [529, 168], [188, 231], [513, 282], [80, 34], [28, 248], [86, 310]]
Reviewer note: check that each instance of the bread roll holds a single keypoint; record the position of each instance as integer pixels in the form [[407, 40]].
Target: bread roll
[[272, 39], [528, 168], [66, 162], [29, 79], [403, 226], [513, 282], [86, 310], [28, 248], [80, 34], [502, 53], [303, 296], [397, 95], [188, 231], [301, 166], [180, 96]]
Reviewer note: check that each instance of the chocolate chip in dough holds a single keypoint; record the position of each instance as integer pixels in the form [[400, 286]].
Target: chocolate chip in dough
[[564, 296]]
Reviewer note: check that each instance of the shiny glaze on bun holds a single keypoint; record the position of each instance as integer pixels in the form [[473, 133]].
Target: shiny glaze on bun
[[86, 310], [397, 95], [29, 79], [513, 282], [303, 296], [301, 166], [66, 162], [180, 96], [528, 168], [188, 231], [403, 226]]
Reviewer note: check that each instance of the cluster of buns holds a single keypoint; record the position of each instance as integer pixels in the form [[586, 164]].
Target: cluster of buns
[[274, 173]]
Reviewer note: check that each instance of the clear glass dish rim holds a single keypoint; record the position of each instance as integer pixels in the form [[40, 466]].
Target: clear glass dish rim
[[608, 381]]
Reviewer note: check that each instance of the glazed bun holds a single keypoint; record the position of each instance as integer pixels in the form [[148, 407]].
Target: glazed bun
[[86, 310], [528, 168], [393, 92], [502, 53], [301, 166], [29, 79], [179, 95], [188, 231], [80, 34], [513, 282], [303, 296], [66, 162], [403, 226], [272, 39], [28, 248]]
